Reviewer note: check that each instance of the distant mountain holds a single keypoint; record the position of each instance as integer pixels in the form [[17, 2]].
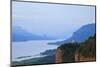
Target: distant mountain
[[19, 34], [81, 34]]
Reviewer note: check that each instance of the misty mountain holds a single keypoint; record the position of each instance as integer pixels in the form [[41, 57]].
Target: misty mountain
[[19, 34], [81, 34]]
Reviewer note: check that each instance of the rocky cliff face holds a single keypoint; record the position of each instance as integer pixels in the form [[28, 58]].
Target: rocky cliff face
[[80, 58], [58, 56], [87, 50], [77, 52], [66, 53]]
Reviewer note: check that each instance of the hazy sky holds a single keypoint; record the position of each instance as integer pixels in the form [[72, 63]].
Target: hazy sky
[[51, 19]]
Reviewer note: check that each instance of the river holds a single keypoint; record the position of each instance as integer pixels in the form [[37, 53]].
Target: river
[[30, 49]]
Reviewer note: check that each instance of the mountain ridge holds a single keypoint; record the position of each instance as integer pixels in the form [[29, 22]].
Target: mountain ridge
[[19, 34], [80, 35]]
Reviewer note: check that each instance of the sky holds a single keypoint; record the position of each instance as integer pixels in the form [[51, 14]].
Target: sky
[[51, 19]]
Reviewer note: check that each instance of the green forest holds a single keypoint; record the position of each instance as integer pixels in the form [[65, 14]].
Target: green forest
[[86, 49]]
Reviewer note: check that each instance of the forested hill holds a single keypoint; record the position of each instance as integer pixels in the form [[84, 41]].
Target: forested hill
[[73, 52]]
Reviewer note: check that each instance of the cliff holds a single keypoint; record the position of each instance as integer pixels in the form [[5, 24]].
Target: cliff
[[77, 52], [80, 58], [87, 50], [58, 56], [66, 53]]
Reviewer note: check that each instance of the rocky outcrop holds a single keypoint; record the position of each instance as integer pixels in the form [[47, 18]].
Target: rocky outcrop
[[66, 53], [87, 50], [80, 58], [77, 52], [58, 56]]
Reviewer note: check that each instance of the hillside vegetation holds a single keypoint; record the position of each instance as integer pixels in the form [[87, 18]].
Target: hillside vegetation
[[72, 52], [87, 50]]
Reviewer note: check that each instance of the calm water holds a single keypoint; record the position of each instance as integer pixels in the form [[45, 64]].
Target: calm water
[[30, 48]]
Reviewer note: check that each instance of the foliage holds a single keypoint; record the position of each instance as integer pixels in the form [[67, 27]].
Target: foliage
[[86, 49], [68, 51]]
